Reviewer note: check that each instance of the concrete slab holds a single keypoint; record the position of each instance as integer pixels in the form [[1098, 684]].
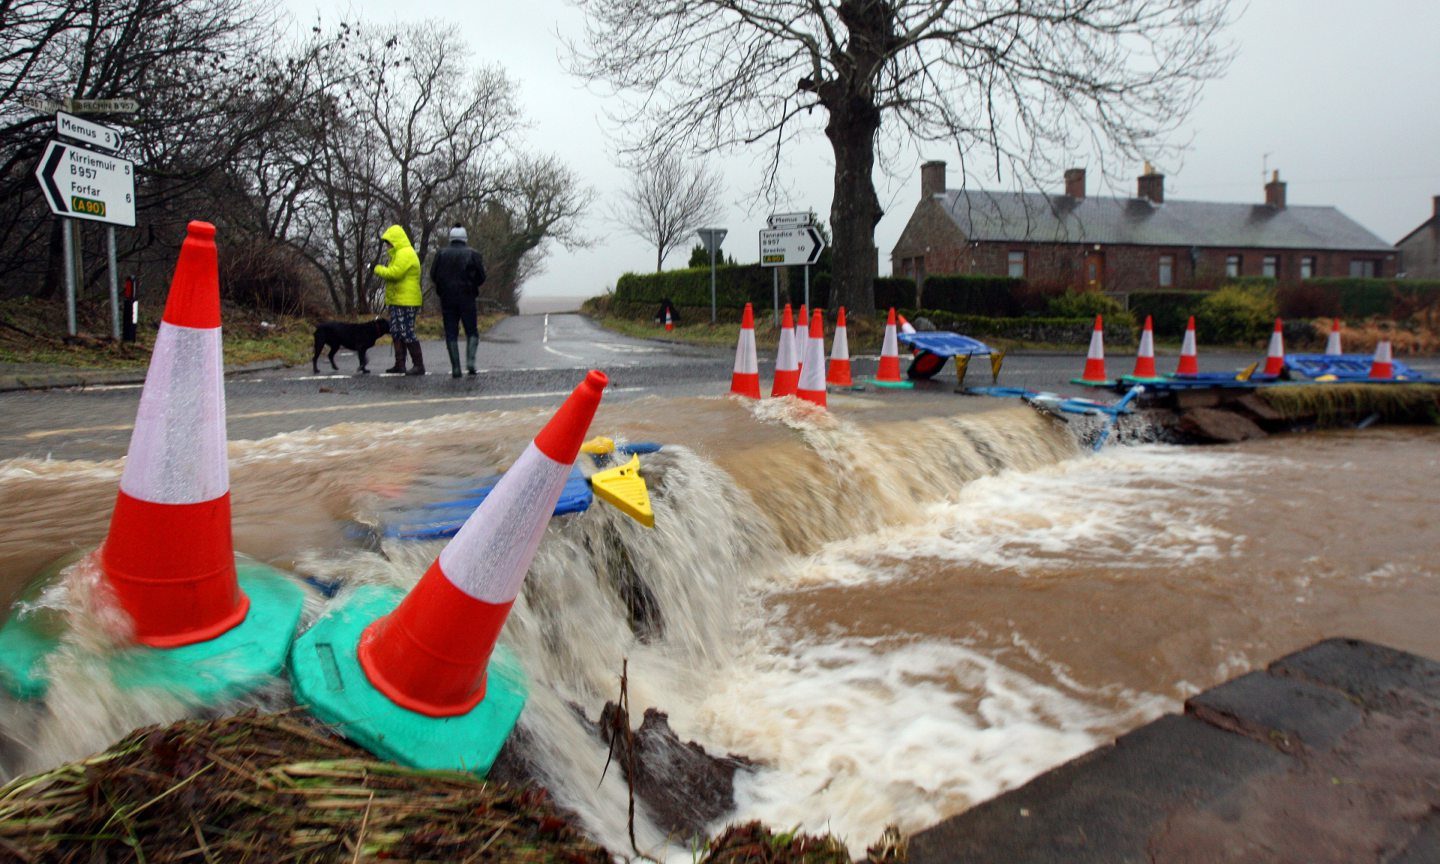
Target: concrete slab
[[1332, 754]]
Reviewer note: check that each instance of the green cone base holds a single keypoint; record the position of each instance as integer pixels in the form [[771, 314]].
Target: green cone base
[[1083, 383], [236, 662], [1131, 379], [893, 385], [329, 682]]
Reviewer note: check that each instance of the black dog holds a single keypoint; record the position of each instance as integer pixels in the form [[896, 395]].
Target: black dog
[[342, 334]]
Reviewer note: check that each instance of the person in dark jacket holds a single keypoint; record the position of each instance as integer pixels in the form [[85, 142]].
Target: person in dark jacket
[[457, 274]]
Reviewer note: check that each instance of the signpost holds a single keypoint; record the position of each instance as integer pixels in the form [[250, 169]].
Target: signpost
[[87, 131], [712, 238], [87, 184], [790, 220], [785, 247]]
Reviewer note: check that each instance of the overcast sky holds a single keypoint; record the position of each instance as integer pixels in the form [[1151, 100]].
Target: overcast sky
[[1338, 95]]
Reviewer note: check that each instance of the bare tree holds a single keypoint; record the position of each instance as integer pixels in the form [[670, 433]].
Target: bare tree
[[666, 201], [1019, 82]]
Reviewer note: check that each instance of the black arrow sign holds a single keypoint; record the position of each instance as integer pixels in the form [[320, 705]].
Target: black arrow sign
[[819, 246], [47, 176]]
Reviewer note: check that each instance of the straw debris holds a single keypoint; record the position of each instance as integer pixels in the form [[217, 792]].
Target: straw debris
[[1330, 405], [274, 788]]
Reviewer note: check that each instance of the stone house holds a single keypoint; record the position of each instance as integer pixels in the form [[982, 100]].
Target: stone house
[[1143, 243], [1420, 249]]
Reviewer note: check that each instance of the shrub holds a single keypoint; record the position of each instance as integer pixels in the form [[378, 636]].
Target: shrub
[[1170, 309], [1088, 304], [1237, 313], [1358, 298], [972, 295], [734, 287]]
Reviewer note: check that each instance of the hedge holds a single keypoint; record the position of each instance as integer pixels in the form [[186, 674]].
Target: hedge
[[1169, 309], [990, 296], [895, 291], [734, 287], [1358, 298], [1055, 331]]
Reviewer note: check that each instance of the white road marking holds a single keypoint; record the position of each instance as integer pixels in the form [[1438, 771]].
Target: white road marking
[[545, 336]]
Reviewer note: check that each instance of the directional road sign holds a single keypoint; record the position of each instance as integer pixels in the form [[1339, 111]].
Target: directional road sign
[[87, 131], [782, 247], [790, 220], [84, 184]]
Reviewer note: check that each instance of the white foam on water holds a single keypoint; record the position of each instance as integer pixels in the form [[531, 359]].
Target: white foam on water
[[856, 734], [1133, 508]]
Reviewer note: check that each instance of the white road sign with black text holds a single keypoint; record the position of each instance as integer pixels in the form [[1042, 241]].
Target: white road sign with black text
[[84, 184], [88, 131], [790, 220], [783, 247]]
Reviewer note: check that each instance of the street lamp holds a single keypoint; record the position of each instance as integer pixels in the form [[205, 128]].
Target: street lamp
[[712, 238]]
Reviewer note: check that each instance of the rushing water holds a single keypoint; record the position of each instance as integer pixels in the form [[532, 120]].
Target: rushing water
[[896, 615]]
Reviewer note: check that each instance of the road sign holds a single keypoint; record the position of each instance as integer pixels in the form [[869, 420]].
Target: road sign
[[790, 220], [102, 106], [88, 131], [712, 238], [84, 184], [44, 106], [783, 247]]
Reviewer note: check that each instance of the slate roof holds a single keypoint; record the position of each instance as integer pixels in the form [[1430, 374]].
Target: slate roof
[[1035, 217]]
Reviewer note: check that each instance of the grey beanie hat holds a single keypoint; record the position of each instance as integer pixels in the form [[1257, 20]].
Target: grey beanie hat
[[458, 233]]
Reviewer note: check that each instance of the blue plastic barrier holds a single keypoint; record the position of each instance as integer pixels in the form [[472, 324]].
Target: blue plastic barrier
[[443, 518]]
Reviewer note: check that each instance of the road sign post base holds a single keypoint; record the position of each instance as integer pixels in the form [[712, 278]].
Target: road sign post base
[[330, 683], [236, 662]]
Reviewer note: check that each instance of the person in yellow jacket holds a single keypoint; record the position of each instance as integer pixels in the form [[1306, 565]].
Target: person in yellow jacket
[[401, 275]]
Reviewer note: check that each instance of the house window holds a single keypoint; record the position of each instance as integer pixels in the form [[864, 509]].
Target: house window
[[1015, 265], [1270, 268], [1307, 267], [1232, 265], [1362, 268], [1167, 271]]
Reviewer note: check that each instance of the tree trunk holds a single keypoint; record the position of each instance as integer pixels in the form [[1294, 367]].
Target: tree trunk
[[855, 208]]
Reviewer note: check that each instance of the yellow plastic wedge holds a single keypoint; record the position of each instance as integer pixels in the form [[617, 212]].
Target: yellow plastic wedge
[[598, 446], [624, 489]]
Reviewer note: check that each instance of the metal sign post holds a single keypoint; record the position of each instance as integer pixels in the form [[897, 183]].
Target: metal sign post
[[114, 284], [69, 228], [712, 238]]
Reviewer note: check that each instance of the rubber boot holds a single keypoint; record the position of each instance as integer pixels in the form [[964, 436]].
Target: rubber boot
[[417, 361], [399, 356], [471, 343], [453, 348]]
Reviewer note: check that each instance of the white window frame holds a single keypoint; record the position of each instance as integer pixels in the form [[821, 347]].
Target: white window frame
[[1238, 262], [1165, 276], [1013, 257], [1270, 267]]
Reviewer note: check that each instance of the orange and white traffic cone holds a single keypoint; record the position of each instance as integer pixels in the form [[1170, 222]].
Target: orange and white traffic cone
[[430, 654], [812, 374], [1275, 356], [889, 370], [839, 372], [802, 333], [1332, 344], [745, 380], [905, 326], [1095, 358], [669, 324], [169, 556], [1383, 366], [1189, 362], [418, 685], [787, 361], [1145, 355]]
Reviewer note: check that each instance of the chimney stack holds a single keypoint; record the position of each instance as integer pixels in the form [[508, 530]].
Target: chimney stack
[[932, 178], [1152, 185], [1275, 192], [1436, 202], [1075, 182]]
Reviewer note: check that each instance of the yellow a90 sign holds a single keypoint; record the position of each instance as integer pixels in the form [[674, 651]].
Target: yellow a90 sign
[[88, 206]]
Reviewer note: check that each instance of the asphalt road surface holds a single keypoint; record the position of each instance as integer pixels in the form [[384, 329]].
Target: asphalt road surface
[[524, 361]]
